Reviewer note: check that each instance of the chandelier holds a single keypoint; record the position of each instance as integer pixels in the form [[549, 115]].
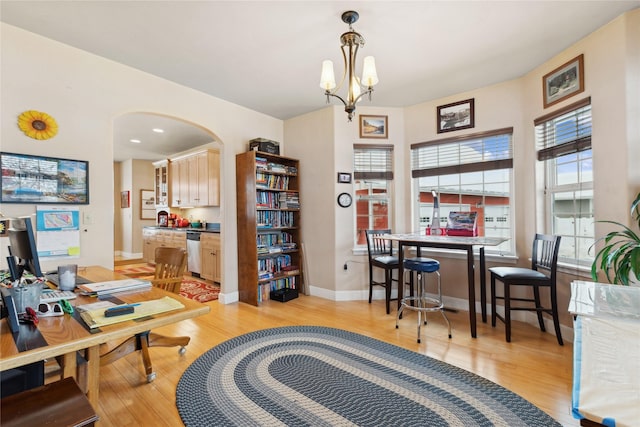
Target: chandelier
[[358, 87]]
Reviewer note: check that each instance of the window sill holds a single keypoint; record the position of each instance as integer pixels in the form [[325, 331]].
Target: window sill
[[582, 271]]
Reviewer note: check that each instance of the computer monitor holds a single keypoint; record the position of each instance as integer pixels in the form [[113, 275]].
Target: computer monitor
[[22, 250]]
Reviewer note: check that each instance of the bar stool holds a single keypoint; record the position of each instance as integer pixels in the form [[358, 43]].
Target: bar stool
[[420, 302]]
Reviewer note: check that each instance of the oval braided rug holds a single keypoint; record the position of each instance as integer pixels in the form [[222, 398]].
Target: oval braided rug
[[317, 376]]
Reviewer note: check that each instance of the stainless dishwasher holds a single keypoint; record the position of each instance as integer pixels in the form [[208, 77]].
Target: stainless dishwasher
[[193, 252]]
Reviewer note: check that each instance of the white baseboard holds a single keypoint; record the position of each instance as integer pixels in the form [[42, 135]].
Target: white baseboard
[[450, 302]]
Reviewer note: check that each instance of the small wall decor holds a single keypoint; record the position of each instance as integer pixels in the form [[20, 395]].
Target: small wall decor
[[37, 125], [563, 82], [344, 178], [4, 226], [373, 127], [147, 204], [456, 116], [125, 201]]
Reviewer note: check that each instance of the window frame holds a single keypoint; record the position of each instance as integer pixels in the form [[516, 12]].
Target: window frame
[[549, 153], [379, 171], [445, 166]]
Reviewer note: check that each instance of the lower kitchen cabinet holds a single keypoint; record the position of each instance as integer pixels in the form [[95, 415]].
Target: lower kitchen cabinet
[[153, 238], [210, 256]]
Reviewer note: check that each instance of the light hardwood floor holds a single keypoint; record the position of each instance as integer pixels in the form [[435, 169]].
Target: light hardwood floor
[[533, 365]]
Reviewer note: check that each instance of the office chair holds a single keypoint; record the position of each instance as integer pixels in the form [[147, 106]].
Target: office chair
[[544, 256], [381, 256], [171, 264]]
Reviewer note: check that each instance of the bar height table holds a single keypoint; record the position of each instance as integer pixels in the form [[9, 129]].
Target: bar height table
[[457, 243]]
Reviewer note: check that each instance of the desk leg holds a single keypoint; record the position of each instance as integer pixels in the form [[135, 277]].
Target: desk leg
[[93, 375], [483, 286], [472, 291], [69, 365]]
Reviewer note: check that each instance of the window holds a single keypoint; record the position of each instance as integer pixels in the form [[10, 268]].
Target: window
[[563, 140], [470, 173], [373, 176]]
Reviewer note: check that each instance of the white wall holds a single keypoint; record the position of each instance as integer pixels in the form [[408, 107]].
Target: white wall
[[85, 93], [323, 141]]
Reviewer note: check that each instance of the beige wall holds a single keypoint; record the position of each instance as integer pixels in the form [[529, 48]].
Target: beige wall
[[612, 76], [135, 175], [85, 93]]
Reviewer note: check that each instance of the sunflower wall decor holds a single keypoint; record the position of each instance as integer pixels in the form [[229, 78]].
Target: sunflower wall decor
[[37, 125]]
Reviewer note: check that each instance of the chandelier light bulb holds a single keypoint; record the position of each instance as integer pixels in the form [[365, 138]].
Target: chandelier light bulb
[[369, 73], [327, 78]]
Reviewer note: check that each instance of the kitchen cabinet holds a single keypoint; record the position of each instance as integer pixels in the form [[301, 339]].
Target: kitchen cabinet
[[179, 172], [210, 256], [161, 180], [195, 179], [154, 237]]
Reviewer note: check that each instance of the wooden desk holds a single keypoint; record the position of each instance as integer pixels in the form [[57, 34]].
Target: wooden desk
[[65, 335], [458, 243]]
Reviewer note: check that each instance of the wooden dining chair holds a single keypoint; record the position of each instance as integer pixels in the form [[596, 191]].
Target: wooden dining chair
[[542, 274], [171, 264], [381, 256]]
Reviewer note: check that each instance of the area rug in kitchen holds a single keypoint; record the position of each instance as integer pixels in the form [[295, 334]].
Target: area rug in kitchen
[[192, 288], [318, 376]]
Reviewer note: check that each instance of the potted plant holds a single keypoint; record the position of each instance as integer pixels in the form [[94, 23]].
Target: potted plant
[[620, 255]]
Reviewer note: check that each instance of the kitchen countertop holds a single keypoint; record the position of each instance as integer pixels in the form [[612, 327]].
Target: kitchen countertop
[[214, 229]]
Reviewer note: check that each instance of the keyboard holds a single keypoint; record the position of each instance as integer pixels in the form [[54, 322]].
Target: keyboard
[[53, 278], [53, 296]]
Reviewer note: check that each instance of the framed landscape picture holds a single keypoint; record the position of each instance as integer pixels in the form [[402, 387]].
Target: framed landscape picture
[[147, 204], [563, 82], [124, 199], [373, 127], [456, 116]]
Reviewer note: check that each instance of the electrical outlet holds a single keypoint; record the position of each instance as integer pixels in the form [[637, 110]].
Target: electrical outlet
[[345, 266]]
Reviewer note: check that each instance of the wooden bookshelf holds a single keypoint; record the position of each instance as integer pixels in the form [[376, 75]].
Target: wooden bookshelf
[[268, 209]]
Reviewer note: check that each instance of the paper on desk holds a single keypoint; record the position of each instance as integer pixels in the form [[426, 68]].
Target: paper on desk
[[95, 305], [96, 318]]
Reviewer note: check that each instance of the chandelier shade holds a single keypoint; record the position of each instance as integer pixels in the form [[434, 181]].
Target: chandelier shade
[[357, 87]]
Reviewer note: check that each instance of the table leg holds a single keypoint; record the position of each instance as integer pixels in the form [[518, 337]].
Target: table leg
[[400, 274], [483, 286], [472, 291], [69, 365], [93, 375]]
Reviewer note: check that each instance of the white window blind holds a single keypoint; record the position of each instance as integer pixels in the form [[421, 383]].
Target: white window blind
[[481, 151], [373, 161], [565, 131]]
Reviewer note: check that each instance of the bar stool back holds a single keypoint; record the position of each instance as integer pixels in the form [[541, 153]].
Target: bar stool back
[[421, 302]]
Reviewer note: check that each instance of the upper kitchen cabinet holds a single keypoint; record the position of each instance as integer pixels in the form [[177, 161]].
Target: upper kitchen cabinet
[[195, 179], [161, 180]]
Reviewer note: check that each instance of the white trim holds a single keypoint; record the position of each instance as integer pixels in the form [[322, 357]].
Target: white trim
[[461, 304]]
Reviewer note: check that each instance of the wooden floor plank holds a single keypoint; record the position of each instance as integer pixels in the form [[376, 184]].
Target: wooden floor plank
[[533, 365]]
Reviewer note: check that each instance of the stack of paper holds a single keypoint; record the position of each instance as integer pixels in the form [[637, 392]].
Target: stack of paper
[[105, 288], [95, 318]]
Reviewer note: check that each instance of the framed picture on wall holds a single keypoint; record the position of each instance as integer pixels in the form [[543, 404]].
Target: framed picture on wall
[[456, 116], [125, 200], [373, 127], [344, 178], [147, 204], [563, 82]]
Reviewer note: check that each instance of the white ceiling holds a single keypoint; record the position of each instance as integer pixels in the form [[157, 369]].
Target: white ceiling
[[266, 55]]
